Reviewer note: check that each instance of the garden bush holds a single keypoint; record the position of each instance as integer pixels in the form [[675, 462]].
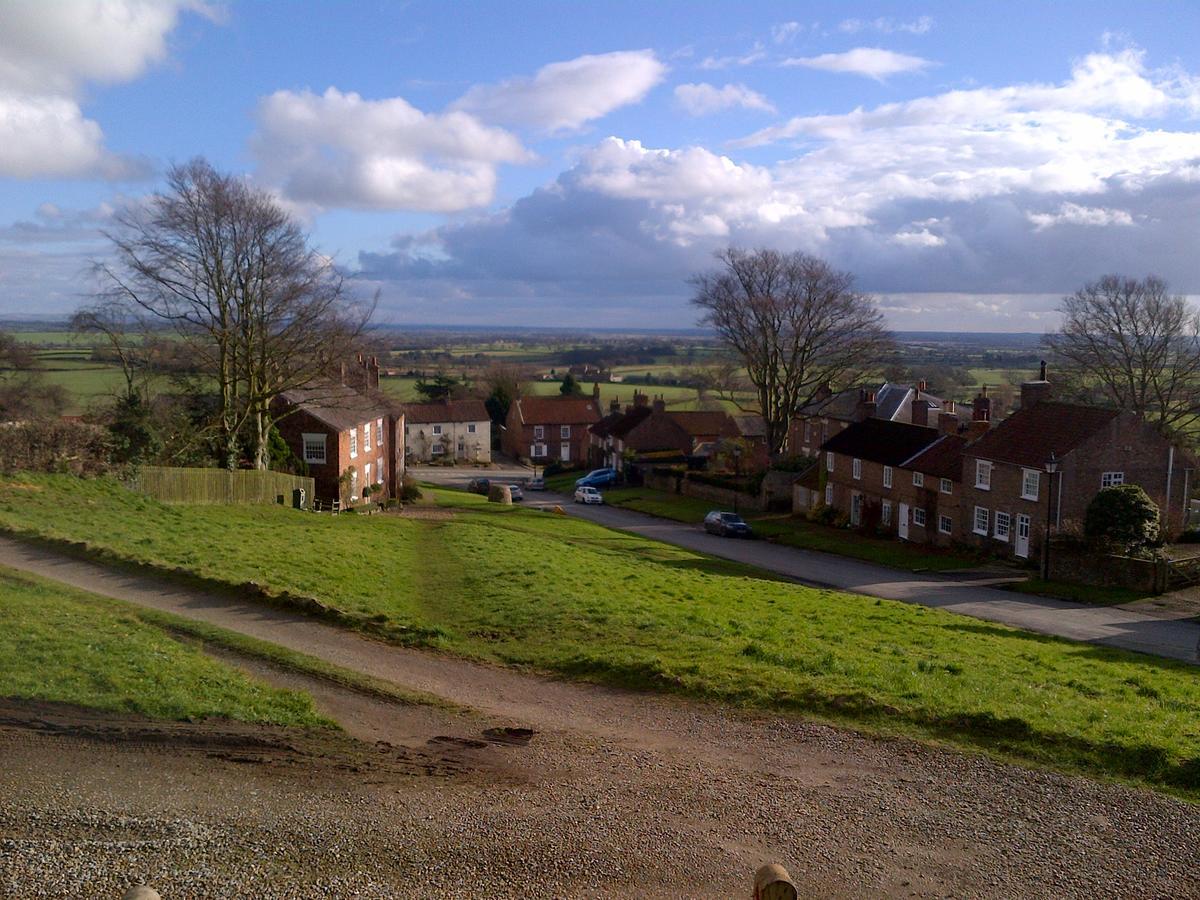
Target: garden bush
[[1122, 517]]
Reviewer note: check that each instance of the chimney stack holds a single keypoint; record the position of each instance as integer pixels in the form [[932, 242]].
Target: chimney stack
[[1034, 392], [922, 387], [660, 405], [596, 393], [866, 406], [981, 408], [920, 411], [947, 418], [614, 405], [640, 399], [373, 373]]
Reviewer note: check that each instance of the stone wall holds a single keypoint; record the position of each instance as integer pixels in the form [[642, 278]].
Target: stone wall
[[1077, 564]]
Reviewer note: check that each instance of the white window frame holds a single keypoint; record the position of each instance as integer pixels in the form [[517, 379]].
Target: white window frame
[[885, 515], [471, 428], [353, 443], [379, 432], [1003, 526], [829, 495], [538, 451], [367, 438], [311, 455], [564, 432], [856, 469], [367, 475], [354, 484], [887, 476], [437, 429], [1112, 479], [945, 525], [983, 474], [378, 470], [539, 432], [1029, 476], [918, 516], [985, 519], [946, 486], [828, 461], [918, 479]]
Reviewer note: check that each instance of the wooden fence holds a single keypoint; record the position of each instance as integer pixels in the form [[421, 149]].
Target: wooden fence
[[219, 486]]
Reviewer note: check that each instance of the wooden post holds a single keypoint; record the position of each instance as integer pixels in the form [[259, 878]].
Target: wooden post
[[774, 883]]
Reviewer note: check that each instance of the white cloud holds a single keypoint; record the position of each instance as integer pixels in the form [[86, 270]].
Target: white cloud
[[1074, 214], [919, 25], [756, 54], [564, 96], [47, 52], [785, 32], [873, 62], [918, 238], [339, 150], [705, 99]]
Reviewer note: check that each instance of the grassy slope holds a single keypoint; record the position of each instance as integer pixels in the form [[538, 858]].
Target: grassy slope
[[69, 646], [561, 594]]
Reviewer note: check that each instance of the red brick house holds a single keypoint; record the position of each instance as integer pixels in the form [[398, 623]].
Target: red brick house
[[1007, 497], [816, 422], [551, 429]]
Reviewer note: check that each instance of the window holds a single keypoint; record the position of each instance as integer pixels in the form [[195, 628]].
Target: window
[[945, 525], [564, 431], [379, 432], [1031, 480], [807, 432], [353, 442], [887, 476], [885, 517], [437, 429], [539, 432], [829, 495], [367, 474], [1003, 524], [919, 517], [947, 486], [367, 438], [537, 450], [437, 449], [981, 521], [918, 479], [471, 428], [828, 462], [857, 466], [983, 474], [314, 448], [379, 469], [1112, 479]]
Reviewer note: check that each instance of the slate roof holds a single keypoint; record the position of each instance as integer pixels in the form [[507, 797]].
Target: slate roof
[[446, 411], [881, 441], [841, 405], [750, 426], [630, 421], [892, 401], [1029, 436], [941, 459], [558, 411], [337, 405], [604, 427]]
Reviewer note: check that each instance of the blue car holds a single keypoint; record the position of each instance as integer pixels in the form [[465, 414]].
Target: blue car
[[598, 478]]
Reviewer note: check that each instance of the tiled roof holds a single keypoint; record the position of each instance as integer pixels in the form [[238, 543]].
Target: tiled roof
[[941, 459], [558, 411], [630, 421], [750, 426], [881, 441], [337, 405], [604, 427], [446, 411], [1029, 436], [841, 405], [702, 422]]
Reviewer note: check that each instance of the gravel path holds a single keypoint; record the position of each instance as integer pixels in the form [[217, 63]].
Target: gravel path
[[617, 794]]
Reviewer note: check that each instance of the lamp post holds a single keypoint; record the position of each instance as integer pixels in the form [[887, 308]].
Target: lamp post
[[737, 475], [1051, 469]]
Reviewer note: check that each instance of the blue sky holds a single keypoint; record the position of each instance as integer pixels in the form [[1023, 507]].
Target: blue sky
[[571, 164]]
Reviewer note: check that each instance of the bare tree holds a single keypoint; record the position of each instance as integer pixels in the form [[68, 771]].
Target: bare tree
[[1139, 344], [24, 391], [259, 311], [796, 324], [117, 324]]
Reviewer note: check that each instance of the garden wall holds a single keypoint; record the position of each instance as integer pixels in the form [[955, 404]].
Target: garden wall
[[1080, 565], [677, 483], [219, 486]]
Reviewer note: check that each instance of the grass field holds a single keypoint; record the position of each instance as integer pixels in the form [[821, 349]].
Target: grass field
[[68, 646], [560, 594]]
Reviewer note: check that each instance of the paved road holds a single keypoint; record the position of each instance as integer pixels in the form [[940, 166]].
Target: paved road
[[1175, 636]]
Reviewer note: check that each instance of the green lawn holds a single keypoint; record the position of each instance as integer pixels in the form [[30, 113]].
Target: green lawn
[[560, 594], [68, 646]]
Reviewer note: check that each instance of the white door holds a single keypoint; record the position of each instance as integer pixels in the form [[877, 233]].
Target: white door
[[1021, 547], [902, 522], [565, 451]]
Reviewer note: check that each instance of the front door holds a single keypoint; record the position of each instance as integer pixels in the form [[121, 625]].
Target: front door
[[565, 450], [1021, 547], [902, 522]]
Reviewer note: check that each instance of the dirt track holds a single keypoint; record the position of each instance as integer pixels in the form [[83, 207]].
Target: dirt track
[[614, 794]]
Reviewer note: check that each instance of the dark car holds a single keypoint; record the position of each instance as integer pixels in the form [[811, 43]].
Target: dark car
[[727, 524], [598, 478], [479, 485]]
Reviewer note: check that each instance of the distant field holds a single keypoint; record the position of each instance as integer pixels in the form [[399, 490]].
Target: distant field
[[44, 338], [403, 388], [1001, 376]]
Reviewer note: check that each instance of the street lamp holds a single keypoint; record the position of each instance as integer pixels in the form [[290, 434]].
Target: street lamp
[[1051, 468], [737, 475]]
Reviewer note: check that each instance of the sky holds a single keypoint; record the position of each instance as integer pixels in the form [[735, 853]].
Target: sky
[[574, 164]]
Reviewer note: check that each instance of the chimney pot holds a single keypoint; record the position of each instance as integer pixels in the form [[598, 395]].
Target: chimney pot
[[922, 386]]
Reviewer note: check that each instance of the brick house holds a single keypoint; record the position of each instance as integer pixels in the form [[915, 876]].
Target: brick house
[[458, 428], [830, 412], [1006, 492], [863, 475], [551, 429], [928, 493], [337, 429]]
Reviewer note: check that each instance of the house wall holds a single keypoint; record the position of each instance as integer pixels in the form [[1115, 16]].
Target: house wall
[[476, 446], [871, 486], [806, 434], [382, 459], [519, 440], [292, 428]]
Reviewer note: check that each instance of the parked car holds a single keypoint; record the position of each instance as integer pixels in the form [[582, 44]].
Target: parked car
[[727, 524], [516, 492], [587, 494], [536, 484], [479, 485], [598, 478]]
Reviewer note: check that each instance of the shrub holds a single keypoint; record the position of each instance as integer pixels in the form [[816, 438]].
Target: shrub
[[1123, 516], [822, 514], [409, 490]]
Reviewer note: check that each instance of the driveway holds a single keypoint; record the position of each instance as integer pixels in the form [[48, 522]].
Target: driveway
[[1175, 635]]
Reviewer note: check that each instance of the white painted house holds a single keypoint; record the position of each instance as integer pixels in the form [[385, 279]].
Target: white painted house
[[461, 429]]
